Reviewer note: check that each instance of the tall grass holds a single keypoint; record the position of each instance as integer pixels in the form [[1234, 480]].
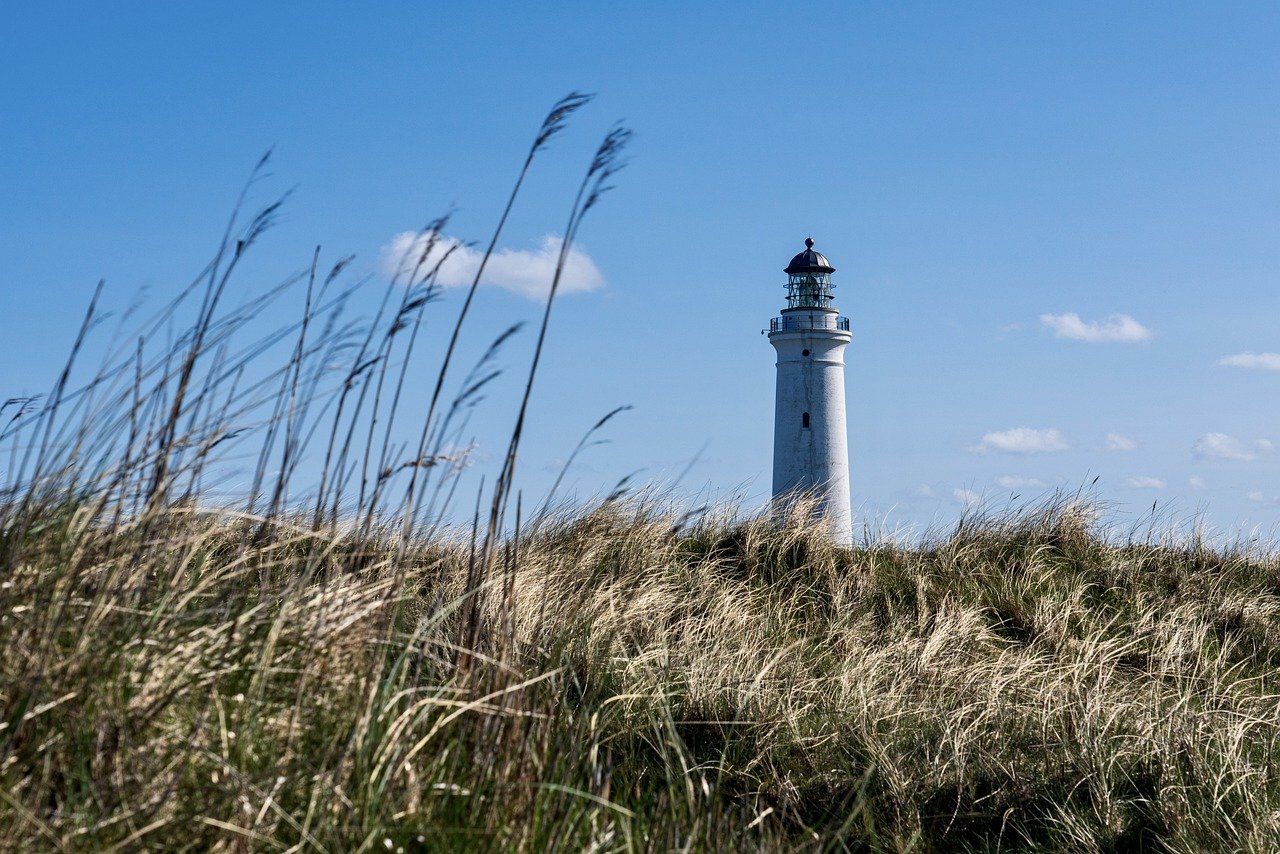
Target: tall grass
[[338, 669]]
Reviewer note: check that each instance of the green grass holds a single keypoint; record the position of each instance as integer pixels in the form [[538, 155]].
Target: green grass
[[637, 684]]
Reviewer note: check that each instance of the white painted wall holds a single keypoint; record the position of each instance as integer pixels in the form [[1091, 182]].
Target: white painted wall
[[815, 458]]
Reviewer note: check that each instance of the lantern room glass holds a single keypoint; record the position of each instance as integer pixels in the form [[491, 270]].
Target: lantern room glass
[[809, 290]]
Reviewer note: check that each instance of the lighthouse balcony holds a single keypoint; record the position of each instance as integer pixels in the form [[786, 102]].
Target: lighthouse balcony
[[808, 322]]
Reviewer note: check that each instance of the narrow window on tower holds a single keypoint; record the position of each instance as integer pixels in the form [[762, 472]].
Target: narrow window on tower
[[804, 421]]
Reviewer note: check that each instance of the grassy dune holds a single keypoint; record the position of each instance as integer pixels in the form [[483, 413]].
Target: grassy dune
[[623, 680], [324, 663]]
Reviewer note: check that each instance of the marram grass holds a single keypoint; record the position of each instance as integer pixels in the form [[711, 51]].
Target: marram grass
[[637, 684]]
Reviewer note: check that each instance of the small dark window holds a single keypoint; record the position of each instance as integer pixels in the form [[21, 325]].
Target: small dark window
[[804, 352], [804, 421]]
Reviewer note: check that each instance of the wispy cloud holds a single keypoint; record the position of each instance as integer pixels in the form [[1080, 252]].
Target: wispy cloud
[[1008, 481], [527, 272], [1117, 327], [1119, 443], [924, 490], [967, 497], [1260, 497], [1145, 483], [1196, 482], [1220, 446], [1261, 361], [1021, 440]]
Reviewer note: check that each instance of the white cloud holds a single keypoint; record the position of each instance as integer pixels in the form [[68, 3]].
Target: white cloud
[[1117, 442], [1145, 483], [1008, 481], [527, 272], [1021, 440], [967, 497], [1260, 497], [1220, 446], [1196, 482], [1117, 327], [1264, 361], [924, 490]]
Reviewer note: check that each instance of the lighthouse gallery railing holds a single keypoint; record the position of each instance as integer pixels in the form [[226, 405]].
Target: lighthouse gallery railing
[[801, 324]]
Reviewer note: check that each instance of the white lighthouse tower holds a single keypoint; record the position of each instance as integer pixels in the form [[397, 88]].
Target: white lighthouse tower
[[810, 442]]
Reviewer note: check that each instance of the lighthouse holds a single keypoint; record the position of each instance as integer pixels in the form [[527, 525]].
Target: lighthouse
[[810, 441]]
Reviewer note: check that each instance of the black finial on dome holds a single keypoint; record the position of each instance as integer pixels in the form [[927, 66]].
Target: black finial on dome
[[809, 261]]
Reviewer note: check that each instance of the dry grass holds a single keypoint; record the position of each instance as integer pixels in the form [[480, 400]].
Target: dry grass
[[638, 683], [334, 668]]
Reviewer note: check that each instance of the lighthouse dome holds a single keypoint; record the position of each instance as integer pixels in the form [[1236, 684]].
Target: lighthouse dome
[[809, 261]]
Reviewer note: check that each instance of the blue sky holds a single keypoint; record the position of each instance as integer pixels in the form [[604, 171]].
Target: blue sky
[[1051, 223]]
